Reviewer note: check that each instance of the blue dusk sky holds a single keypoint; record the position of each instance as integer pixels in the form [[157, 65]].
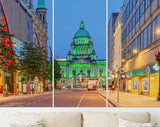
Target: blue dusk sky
[[114, 6], [68, 15], [49, 20]]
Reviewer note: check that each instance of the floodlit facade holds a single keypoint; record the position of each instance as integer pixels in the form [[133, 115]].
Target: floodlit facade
[[40, 26], [117, 49], [111, 52], [81, 64], [140, 41]]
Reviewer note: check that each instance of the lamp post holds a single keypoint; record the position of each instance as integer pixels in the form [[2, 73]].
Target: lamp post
[[158, 60], [118, 83]]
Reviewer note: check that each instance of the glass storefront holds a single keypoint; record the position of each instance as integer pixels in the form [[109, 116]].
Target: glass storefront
[[129, 85], [154, 85], [7, 81], [135, 86], [145, 85]]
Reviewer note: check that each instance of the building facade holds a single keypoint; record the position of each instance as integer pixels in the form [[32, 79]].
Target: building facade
[[111, 31], [140, 41], [117, 59], [82, 64], [40, 26], [40, 30], [18, 20], [26, 25]]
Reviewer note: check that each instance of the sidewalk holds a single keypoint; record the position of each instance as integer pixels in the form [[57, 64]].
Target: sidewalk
[[132, 100], [20, 96]]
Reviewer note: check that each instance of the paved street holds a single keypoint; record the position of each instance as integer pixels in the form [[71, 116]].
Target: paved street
[[131, 100], [43, 100], [78, 98]]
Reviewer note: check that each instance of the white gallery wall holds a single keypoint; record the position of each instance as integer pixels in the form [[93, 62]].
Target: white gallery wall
[[6, 113]]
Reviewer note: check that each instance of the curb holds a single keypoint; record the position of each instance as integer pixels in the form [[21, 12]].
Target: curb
[[101, 94], [22, 97], [115, 104], [112, 102]]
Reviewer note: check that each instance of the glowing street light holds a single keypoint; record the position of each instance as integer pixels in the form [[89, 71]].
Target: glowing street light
[[158, 31], [123, 60], [135, 51]]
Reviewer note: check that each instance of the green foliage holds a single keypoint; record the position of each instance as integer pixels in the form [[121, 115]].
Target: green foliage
[[34, 61], [57, 71], [49, 69], [6, 51], [30, 60], [46, 72]]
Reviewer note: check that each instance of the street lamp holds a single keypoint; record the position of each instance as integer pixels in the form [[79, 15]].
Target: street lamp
[[135, 51], [158, 31], [123, 60], [158, 60]]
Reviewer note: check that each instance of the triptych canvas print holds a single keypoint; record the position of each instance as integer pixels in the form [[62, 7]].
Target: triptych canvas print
[[79, 53]]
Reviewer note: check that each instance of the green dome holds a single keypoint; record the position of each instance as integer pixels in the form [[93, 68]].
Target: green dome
[[41, 4], [82, 32]]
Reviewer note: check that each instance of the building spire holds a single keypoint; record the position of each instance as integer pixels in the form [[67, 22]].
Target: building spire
[[82, 25], [41, 4]]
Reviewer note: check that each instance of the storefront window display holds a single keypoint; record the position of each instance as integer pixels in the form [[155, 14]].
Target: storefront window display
[[135, 84], [145, 84]]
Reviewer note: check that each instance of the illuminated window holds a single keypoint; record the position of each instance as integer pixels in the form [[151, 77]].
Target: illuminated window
[[74, 73], [155, 29], [89, 72], [101, 73], [62, 74]]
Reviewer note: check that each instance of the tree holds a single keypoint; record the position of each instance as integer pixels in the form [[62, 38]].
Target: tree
[[57, 71], [45, 71], [7, 55], [50, 69], [31, 61]]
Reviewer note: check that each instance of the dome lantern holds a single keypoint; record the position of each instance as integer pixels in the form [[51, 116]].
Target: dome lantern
[[82, 33], [82, 25]]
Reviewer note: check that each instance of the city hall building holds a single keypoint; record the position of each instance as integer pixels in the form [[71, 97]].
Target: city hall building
[[140, 41], [81, 63]]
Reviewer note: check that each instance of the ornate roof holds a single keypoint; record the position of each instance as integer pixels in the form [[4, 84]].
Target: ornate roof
[[41, 4], [82, 32]]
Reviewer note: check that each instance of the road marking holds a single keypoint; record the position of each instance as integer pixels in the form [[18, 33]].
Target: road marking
[[81, 99], [102, 97]]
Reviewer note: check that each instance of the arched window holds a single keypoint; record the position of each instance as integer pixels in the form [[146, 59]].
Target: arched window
[[89, 72], [101, 73], [81, 71], [62, 74], [74, 73]]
